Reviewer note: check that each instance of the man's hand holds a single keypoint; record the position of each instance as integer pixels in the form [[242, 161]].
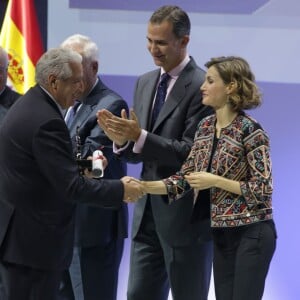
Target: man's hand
[[89, 173], [120, 130], [133, 189], [102, 116]]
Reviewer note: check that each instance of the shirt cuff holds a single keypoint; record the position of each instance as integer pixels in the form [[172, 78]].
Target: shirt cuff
[[139, 144], [118, 150]]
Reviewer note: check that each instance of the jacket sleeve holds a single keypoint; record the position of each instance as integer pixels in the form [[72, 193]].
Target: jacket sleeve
[[172, 151], [258, 188], [53, 152], [176, 185]]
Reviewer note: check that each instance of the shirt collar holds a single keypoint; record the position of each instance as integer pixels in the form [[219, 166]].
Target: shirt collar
[[62, 111], [177, 70]]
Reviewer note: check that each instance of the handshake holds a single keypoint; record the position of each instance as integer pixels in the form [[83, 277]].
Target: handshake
[[133, 189]]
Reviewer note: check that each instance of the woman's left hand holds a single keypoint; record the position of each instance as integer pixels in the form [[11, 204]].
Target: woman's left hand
[[201, 180]]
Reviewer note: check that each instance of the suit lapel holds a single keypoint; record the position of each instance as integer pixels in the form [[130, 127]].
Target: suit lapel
[[147, 99], [177, 93], [80, 117], [86, 108]]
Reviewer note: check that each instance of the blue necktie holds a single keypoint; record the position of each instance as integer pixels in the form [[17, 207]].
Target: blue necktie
[[72, 113], [160, 96]]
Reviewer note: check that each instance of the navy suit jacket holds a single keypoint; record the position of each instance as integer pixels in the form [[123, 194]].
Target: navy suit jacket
[[7, 98], [166, 147], [40, 184], [96, 226]]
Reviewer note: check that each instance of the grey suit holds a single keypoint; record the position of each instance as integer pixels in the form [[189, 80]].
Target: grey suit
[[99, 233], [169, 248]]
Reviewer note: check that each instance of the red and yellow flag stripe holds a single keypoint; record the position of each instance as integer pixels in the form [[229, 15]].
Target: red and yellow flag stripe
[[20, 37]]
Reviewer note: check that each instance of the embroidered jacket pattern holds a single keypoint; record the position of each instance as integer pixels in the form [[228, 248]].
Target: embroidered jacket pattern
[[242, 153]]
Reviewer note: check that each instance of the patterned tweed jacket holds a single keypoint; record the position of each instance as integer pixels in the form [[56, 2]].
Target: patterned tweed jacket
[[242, 153]]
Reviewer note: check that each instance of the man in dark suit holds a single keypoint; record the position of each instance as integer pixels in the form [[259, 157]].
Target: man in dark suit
[[7, 96], [171, 244], [99, 233], [40, 183], [7, 99]]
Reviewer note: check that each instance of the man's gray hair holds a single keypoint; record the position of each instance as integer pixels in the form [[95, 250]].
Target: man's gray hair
[[56, 62], [87, 48]]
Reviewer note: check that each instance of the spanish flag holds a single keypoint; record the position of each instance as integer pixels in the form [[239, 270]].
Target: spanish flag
[[21, 38]]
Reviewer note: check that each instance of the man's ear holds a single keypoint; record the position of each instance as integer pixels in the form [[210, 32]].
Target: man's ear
[[53, 82], [95, 67], [184, 41]]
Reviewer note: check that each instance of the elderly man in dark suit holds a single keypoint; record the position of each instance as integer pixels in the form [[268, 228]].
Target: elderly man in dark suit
[[171, 246], [40, 182], [7, 95], [99, 233]]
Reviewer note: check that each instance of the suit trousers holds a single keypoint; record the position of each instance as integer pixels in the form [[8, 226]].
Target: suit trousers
[[93, 273], [25, 283], [242, 257], [2, 293], [155, 266]]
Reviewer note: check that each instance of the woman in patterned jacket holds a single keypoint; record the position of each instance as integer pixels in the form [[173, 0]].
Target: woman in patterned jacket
[[229, 167]]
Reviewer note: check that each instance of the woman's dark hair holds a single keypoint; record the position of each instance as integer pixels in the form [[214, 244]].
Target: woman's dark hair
[[237, 70]]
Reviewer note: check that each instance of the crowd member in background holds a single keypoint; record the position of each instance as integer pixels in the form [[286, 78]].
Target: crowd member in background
[[168, 250], [40, 183], [229, 167], [7, 96], [7, 99], [99, 233]]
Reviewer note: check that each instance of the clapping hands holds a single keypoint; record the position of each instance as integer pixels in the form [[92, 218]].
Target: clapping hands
[[119, 129]]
